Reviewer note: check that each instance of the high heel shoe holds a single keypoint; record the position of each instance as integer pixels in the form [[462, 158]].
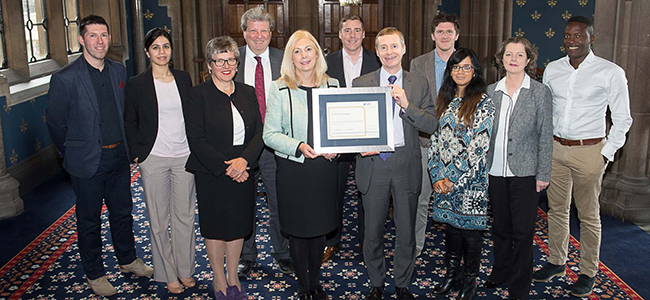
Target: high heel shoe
[[188, 282], [174, 287]]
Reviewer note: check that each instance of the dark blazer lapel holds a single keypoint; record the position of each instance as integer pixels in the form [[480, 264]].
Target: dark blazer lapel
[[366, 66], [242, 64], [149, 88], [337, 67], [406, 85], [275, 56], [84, 77]]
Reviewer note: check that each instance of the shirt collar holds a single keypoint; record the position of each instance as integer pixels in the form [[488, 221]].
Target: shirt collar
[[438, 59], [383, 75], [501, 85], [251, 55], [588, 59], [349, 58]]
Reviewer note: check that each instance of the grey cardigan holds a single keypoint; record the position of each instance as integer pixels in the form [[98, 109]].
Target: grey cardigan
[[530, 135]]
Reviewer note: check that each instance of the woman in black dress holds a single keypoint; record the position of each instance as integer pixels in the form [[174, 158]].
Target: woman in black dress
[[306, 180], [224, 129]]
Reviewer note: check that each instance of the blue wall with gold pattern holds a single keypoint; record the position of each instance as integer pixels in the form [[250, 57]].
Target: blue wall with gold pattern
[[23, 129], [542, 22], [155, 16]]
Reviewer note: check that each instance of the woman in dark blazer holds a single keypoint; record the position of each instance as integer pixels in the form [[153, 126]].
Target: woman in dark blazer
[[224, 128], [519, 162], [155, 132], [306, 180]]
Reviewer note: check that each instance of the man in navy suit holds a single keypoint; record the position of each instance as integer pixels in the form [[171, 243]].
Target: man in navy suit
[[345, 65], [259, 65], [85, 118]]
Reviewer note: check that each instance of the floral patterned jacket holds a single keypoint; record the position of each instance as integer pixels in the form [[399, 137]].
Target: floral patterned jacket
[[458, 152]]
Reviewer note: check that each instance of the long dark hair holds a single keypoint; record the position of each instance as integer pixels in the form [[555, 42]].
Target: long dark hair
[[473, 92]]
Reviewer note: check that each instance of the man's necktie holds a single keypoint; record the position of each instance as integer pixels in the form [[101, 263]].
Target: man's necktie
[[259, 87], [385, 155]]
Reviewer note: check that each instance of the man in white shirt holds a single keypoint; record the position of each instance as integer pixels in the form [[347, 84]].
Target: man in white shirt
[[345, 65], [397, 174], [259, 66], [583, 87], [445, 30]]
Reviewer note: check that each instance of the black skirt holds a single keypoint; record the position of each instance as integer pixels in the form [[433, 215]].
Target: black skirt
[[307, 196], [226, 208]]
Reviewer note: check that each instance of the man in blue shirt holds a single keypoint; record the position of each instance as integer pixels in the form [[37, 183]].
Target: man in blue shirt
[[445, 30]]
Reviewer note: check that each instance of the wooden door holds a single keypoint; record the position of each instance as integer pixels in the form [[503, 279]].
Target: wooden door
[[234, 9], [330, 13]]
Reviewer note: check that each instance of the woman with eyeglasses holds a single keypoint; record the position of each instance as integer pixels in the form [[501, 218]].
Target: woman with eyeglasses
[[155, 132], [458, 169], [224, 129]]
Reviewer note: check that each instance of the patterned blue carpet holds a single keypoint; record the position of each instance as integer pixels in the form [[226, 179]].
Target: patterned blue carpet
[[49, 268]]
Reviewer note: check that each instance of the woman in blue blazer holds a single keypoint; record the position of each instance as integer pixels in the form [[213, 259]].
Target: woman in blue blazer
[[306, 180], [519, 162], [155, 132]]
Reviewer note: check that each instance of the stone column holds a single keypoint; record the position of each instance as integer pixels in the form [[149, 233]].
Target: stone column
[[484, 25], [10, 202], [621, 31], [137, 30]]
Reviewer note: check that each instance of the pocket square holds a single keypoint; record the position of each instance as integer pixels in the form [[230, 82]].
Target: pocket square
[[121, 84]]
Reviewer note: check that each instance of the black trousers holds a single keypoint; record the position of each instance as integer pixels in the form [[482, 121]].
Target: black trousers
[[343, 170], [514, 204], [307, 256], [111, 185]]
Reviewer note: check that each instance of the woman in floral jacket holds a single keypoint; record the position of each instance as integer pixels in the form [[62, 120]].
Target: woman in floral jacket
[[458, 169]]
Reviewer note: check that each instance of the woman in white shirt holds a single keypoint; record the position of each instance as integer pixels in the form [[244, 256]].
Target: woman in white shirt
[[155, 133], [519, 162]]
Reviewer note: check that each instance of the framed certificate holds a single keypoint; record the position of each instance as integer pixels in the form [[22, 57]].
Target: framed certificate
[[351, 120]]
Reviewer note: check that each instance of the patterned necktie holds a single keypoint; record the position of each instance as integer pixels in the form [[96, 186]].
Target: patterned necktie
[[259, 87], [385, 155]]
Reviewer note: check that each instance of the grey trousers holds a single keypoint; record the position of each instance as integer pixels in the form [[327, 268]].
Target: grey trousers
[[170, 198], [280, 243], [423, 202], [390, 177]]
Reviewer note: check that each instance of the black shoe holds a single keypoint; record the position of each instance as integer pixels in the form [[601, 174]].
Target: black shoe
[[489, 284], [583, 287], [244, 267], [304, 296], [546, 273], [318, 294], [403, 293], [285, 266], [376, 293]]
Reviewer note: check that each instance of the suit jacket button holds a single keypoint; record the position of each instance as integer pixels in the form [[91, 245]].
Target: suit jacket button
[[509, 140], [509, 154]]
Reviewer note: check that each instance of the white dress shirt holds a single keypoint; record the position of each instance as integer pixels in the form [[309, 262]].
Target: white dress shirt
[[500, 162], [350, 69], [398, 126], [238, 127], [249, 69], [581, 97], [171, 140]]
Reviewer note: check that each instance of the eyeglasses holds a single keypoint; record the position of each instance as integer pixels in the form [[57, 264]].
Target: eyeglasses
[[465, 68], [221, 62]]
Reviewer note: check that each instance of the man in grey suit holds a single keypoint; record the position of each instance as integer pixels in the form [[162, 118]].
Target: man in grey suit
[[259, 65], [398, 173], [345, 65], [445, 30]]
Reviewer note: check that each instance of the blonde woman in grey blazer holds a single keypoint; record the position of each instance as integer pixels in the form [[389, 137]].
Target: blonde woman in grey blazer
[[519, 162]]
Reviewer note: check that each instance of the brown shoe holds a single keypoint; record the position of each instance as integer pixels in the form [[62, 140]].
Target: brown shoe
[[329, 252], [174, 287], [188, 282], [138, 268], [101, 286]]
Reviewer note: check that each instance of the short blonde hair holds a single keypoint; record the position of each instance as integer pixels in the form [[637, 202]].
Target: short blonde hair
[[288, 69], [388, 31]]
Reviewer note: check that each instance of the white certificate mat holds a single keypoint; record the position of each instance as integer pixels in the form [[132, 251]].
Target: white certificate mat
[[352, 120], [349, 120]]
